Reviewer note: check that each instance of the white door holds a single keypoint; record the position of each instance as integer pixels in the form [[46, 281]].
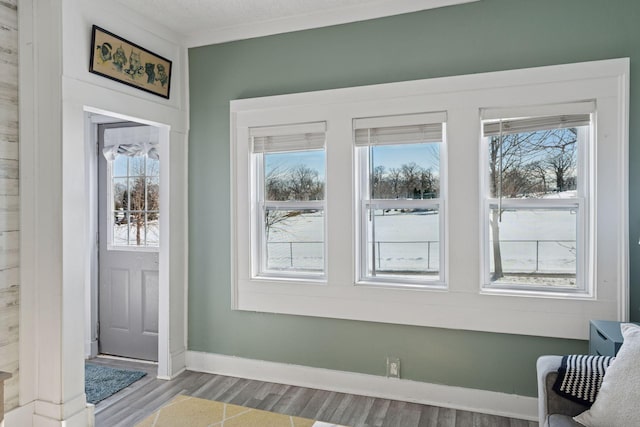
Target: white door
[[128, 223]]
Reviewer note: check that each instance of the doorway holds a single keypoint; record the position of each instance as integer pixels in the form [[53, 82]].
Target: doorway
[[128, 230]]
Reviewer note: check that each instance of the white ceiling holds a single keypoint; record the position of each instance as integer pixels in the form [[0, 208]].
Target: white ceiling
[[202, 22]]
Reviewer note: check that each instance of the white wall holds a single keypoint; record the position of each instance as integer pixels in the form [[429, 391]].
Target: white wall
[[79, 15], [56, 210], [82, 89]]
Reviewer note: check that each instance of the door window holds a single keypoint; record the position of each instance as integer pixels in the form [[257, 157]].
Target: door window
[[133, 174]]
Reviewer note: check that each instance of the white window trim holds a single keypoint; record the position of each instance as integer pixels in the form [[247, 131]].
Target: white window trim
[[584, 273], [109, 214], [110, 223], [390, 280], [462, 305], [258, 232], [364, 203]]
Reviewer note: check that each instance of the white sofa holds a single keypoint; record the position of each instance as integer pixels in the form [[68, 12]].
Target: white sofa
[[553, 409]]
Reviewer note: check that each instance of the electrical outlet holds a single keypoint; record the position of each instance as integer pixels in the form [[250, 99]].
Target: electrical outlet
[[393, 367]]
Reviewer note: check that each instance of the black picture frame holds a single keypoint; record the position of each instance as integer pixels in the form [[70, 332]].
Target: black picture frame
[[126, 62]]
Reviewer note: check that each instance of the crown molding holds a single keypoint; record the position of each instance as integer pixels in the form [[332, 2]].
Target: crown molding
[[314, 20]]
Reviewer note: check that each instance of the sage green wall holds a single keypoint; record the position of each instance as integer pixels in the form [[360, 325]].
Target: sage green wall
[[489, 35]]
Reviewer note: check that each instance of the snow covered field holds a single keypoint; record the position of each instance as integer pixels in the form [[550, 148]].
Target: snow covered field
[[532, 241], [125, 235]]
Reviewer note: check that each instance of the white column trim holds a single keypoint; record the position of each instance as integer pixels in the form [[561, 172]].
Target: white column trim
[[57, 411], [27, 102], [48, 372]]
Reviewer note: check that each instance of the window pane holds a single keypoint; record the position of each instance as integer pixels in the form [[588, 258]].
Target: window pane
[[152, 229], [120, 194], [403, 242], [153, 194], [136, 166], [135, 187], [120, 165], [298, 176], [533, 247], [121, 229], [405, 171], [153, 167], [294, 240], [136, 229], [135, 211], [136, 194], [540, 164]]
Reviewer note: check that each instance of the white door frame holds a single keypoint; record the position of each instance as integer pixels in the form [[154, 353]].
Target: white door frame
[[93, 117], [92, 315]]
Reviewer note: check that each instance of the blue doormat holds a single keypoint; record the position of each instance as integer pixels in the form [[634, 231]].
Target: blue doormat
[[101, 382]]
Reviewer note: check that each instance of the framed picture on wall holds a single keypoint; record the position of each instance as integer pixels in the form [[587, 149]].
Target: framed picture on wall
[[118, 59]]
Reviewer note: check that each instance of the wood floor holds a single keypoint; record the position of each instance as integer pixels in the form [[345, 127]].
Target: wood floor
[[145, 396]]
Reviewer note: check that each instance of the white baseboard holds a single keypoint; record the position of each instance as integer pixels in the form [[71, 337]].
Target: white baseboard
[[90, 349], [22, 416], [178, 362], [487, 402], [25, 416], [79, 419], [177, 365]]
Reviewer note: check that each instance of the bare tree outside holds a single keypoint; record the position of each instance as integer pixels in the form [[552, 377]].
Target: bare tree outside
[[137, 198], [299, 183], [562, 159], [395, 181], [409, 181], [528, 165]]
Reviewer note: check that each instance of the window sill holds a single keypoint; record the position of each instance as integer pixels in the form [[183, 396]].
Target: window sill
[[537, 293], [458, 308], [293, 280], [133, 249], [387, 284]]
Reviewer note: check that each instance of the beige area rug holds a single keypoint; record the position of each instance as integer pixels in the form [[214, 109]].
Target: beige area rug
[[186, 411]]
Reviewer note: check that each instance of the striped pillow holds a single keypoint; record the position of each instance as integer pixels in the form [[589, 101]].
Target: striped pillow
[[580, 377]]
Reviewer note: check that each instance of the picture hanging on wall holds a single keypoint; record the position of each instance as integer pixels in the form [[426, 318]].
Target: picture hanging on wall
[[120, 60]]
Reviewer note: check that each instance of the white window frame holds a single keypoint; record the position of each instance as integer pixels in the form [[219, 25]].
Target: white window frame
[[259, 247], [110, 220], [464, 304], [362, 172], [110, 200], [585, 209]]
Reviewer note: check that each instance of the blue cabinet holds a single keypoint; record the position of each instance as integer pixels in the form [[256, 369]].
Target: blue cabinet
[[605, 337]]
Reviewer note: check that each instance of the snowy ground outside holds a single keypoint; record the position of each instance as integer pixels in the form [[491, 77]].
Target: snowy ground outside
[[537, 246], [125, 234]]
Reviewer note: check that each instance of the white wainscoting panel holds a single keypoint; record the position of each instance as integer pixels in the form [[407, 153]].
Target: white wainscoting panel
[[9, 201]]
